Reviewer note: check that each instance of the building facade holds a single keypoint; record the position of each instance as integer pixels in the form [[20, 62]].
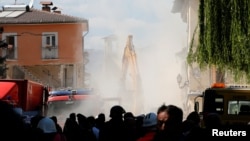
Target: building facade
[[198, 80], [191, 79], [44, 45]]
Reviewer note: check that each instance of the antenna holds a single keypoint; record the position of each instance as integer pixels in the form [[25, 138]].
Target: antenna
[[31, 3]]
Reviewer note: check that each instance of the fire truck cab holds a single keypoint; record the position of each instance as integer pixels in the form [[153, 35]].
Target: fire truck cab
[[62, 103], [231, 103]]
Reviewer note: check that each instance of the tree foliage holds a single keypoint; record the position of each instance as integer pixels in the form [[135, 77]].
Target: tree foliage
[[223, 37]]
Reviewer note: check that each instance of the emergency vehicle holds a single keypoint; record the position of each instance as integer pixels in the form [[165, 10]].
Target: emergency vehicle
[[230, 102], [62, 103], [27, 97], [30, 98]]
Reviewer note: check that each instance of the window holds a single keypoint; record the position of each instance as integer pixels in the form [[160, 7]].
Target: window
[[49, 45], [11, 50], [50, 40], [238, 107]]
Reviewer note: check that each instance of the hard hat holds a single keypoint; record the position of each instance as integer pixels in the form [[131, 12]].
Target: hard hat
[[150, 120], [116, 110], [47, 125]]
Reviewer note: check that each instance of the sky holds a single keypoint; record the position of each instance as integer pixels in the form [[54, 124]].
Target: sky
[[158, 34], [145, 19]]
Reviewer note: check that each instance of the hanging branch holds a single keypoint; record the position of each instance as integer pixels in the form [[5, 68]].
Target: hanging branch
[[223, 37]]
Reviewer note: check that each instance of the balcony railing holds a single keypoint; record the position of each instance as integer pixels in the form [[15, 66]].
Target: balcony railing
[[50, 52]]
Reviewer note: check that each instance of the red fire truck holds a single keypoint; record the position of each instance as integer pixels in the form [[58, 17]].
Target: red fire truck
[[30, 98], [27, 97], [63, 102]]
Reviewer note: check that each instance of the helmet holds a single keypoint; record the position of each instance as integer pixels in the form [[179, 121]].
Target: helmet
[[116, 111], [150, 120], [47, 125]]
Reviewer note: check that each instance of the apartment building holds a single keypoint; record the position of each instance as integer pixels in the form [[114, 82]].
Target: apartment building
[[44, 45]]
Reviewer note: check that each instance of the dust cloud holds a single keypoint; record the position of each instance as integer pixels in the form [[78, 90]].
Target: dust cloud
[[156, 43], [158, 69], [158, 35]]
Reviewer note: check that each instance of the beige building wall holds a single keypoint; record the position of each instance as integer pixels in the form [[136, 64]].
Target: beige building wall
[[196, 80]]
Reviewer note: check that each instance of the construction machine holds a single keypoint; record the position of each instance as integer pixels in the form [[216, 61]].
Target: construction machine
[[130, 79]]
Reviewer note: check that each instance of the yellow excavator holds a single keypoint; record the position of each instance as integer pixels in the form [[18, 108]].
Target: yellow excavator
[[132, 88]]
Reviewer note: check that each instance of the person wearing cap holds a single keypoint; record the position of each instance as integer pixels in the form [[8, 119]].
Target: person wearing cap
[[114, 129], [150, 127]]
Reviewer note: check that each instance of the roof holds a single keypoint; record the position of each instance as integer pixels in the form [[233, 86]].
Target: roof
[[35, 16], [69, 92]]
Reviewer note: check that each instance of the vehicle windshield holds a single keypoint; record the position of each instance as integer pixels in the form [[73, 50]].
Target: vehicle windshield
[[239, 107]]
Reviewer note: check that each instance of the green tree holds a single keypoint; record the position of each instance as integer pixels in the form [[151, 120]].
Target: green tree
[[223, 37]]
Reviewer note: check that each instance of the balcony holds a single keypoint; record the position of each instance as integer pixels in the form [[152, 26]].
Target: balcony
[[49, 52]]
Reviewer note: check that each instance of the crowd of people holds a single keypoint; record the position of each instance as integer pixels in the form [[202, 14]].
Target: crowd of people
[[165, 124]]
